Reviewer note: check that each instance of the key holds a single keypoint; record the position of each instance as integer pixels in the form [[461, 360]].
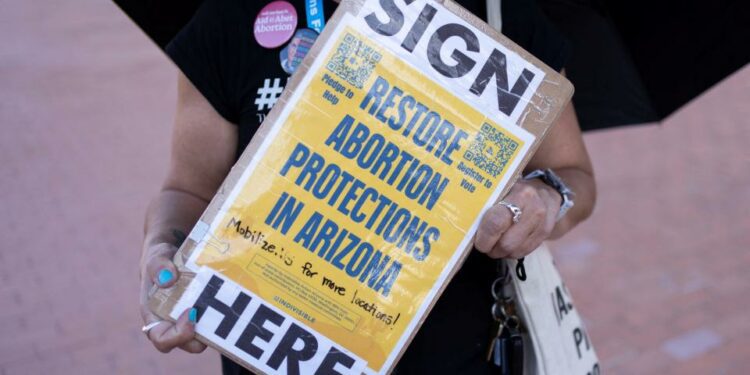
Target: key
[[494, 340]]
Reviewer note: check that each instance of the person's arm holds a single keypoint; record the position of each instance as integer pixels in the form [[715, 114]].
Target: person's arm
[[563, 151], [203, 150]]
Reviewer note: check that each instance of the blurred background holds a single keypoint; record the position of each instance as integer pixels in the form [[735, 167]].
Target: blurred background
[[659, 272]]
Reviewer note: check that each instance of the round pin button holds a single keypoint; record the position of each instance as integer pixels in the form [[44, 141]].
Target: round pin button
[[292, 55], [275, 24]]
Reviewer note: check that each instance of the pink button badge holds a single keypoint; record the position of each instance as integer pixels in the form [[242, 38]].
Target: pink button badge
[[275, 24]]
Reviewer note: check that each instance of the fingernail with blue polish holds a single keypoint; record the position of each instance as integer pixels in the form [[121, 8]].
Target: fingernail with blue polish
[[165, 276], [193, 315]]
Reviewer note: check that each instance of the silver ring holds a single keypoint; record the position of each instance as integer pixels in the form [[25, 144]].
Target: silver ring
[[145, 329], [515, 210]]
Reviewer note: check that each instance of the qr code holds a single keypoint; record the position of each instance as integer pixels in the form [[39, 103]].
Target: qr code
[[491, 150], [354, 61]]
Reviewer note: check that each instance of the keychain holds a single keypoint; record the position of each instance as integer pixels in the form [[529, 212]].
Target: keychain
[[506, 343], [494, 339]]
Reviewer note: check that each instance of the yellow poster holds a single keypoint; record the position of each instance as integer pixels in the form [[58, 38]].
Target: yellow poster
[[353, 211]]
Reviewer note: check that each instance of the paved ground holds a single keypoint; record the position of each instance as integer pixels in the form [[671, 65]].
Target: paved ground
[[86, 103]]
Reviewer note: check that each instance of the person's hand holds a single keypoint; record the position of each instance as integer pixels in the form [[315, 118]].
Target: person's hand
[[157, 268], [499, 237]]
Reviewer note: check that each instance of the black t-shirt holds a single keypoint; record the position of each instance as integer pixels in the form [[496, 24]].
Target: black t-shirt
[[242, 80]]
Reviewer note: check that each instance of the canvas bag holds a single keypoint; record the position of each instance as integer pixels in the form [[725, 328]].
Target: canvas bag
[[555, 341]]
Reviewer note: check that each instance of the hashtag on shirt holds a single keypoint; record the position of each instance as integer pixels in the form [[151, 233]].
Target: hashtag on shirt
[[268, 94]]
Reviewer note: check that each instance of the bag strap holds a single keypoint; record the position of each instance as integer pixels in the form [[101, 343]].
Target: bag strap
[[494, 14]]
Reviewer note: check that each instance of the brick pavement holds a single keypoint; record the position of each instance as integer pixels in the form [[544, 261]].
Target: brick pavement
[[86, 102], [660, 270]]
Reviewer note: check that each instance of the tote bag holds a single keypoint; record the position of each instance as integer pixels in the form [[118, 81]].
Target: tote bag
[[555, 339]]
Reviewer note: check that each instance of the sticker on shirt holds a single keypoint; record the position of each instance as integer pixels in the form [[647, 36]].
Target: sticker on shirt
[[291, 56], [275, 24]]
